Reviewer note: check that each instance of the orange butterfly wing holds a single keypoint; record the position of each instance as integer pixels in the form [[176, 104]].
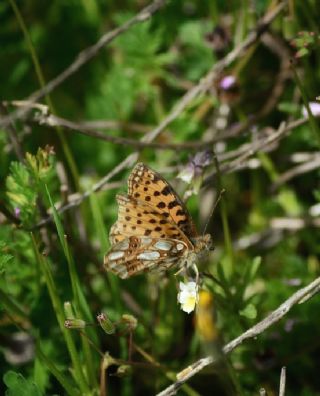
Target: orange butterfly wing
[[153, 228], [146, 185]]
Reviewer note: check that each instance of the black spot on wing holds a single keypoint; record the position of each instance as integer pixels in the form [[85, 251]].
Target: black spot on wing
[[166, 191], [172, 204]]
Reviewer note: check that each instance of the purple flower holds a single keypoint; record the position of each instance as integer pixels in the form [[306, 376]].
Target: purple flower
[[195, 166], [227, 82], [17, 212], [314, 107], [292, 282]]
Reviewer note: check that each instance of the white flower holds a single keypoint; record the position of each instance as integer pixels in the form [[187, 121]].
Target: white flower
[[314, 107], [188, 296]]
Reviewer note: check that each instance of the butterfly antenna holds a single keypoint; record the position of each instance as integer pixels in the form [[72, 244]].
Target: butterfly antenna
[[213, 209]]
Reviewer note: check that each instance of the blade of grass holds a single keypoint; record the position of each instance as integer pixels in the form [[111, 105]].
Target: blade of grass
[[80, 304], [58, 308], [65, 383]]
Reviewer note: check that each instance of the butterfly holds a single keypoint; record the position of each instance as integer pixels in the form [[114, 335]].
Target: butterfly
[[154, 230]]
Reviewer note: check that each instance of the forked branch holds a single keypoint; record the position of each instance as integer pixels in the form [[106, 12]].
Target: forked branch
[[298, 297]]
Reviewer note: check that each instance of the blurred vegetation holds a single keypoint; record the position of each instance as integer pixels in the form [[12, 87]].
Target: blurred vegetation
[[135, 81]]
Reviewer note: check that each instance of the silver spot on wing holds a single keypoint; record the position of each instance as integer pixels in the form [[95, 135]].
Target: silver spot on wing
[[151, 255], [180, 246], [163, 245], [146, 241], [115, 255]]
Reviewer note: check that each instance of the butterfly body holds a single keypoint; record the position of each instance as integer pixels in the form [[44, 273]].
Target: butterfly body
[[154, 230]]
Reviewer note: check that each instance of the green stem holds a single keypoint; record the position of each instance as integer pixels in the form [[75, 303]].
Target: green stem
[[224, 218]]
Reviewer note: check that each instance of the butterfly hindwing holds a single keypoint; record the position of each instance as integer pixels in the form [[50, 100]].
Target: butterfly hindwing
[[134, 255]]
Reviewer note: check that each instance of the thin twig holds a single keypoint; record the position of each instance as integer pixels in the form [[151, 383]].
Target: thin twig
[[275, 232], [246, 150], [85, 56], [13, 136], [50, 120], [297, 171], [296, 298], [129, 161], [255, 147]]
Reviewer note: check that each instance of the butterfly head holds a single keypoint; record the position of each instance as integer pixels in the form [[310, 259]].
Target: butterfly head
[[203, 243]]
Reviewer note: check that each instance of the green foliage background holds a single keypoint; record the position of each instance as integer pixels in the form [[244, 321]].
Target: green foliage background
[[135, 81]]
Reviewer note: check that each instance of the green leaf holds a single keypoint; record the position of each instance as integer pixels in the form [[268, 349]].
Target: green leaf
[[4, 257], [19, 386], [255, 267], [288, 107], [289, 202], [302, 52], [249, 312]]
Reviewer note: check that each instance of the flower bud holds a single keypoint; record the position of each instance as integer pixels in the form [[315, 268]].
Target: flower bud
[[106, 323]]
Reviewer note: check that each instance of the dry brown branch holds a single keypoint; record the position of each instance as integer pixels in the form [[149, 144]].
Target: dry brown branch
[[44, 117], [300, 296], [298, 170], [228, 167], [85, 56], [277, 46], [114, 124], [275, 232], [249, 150]]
